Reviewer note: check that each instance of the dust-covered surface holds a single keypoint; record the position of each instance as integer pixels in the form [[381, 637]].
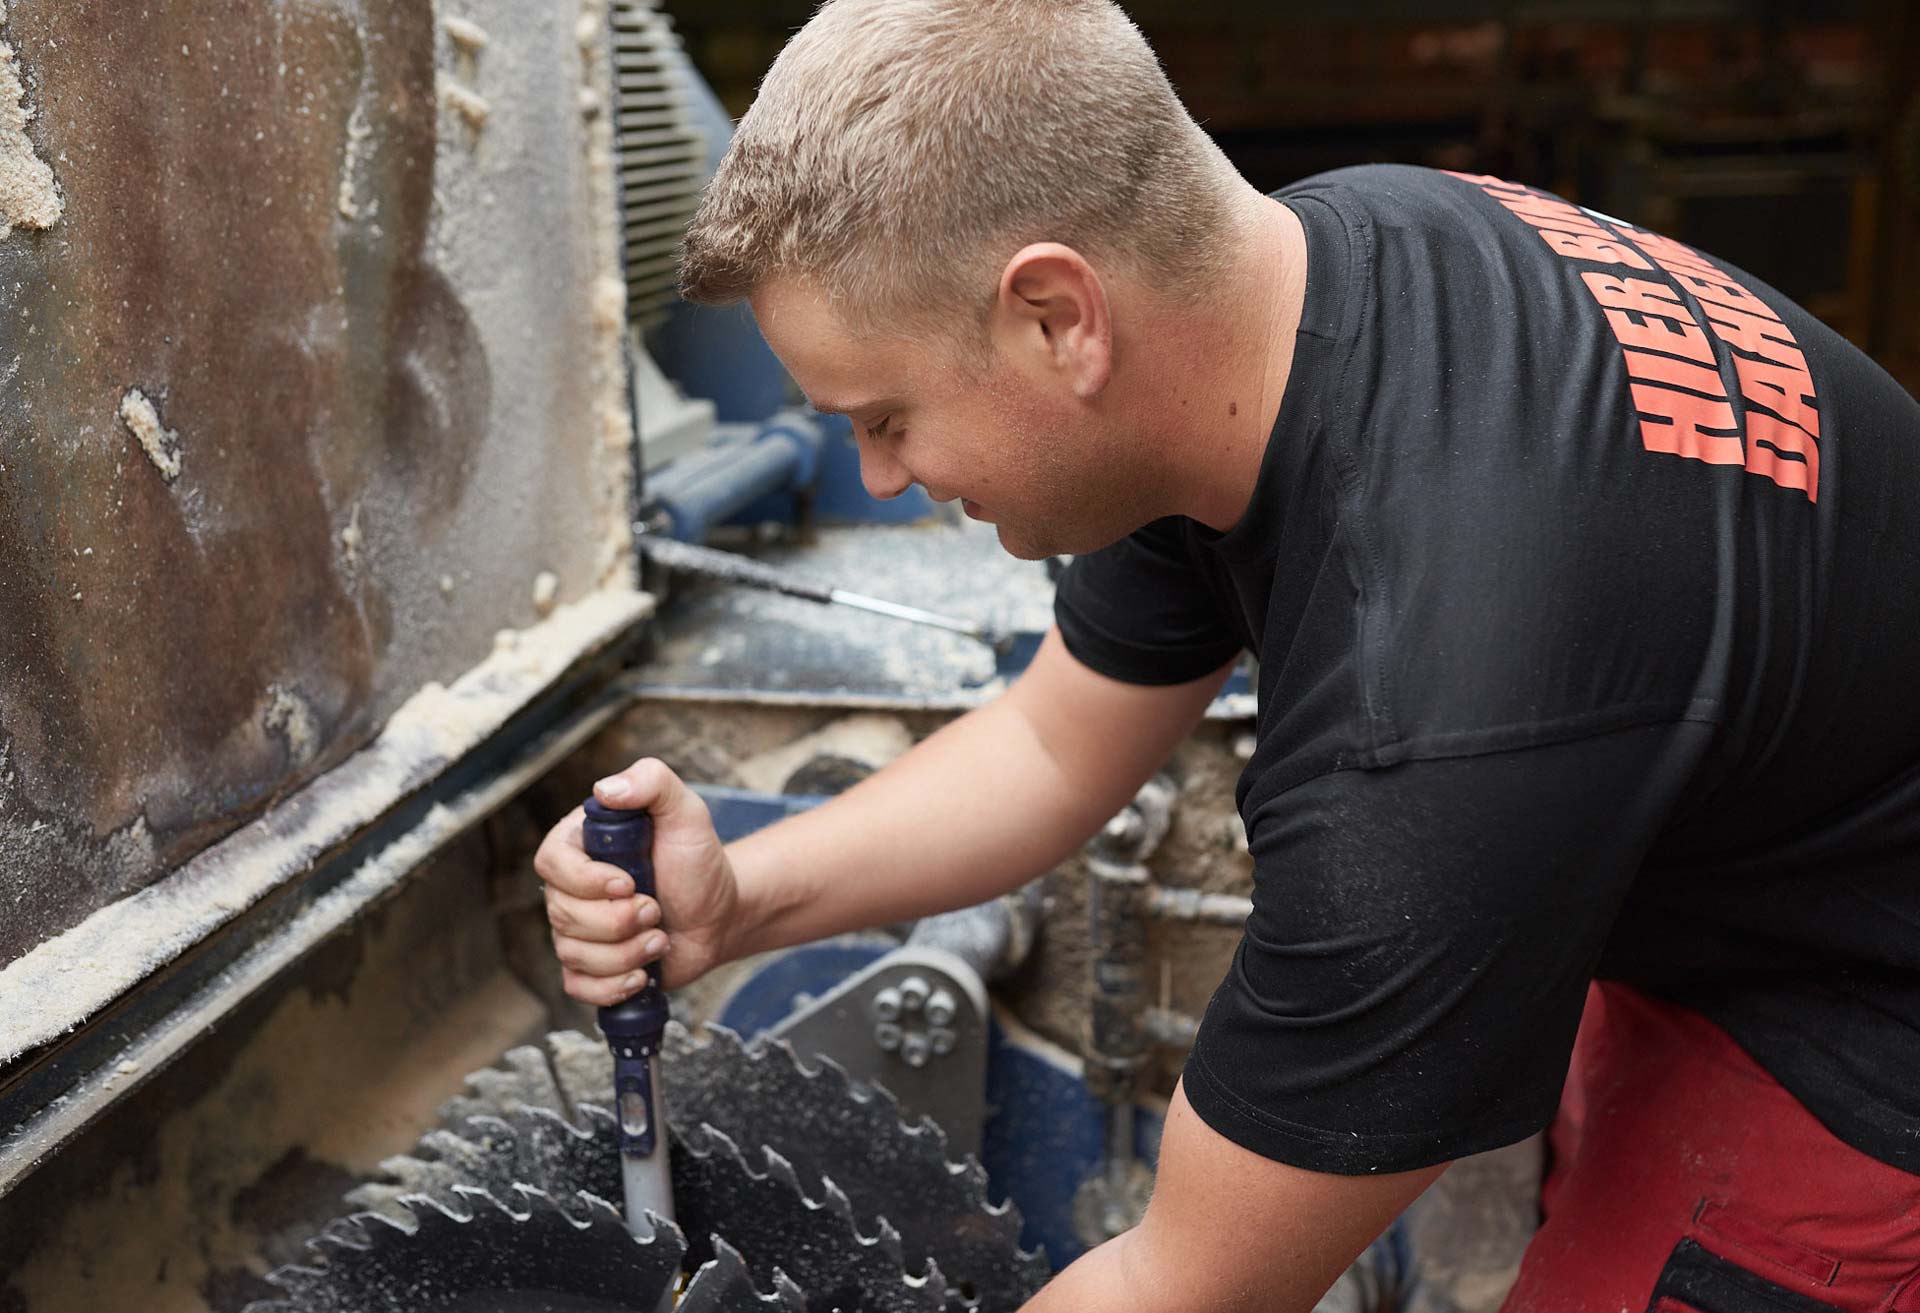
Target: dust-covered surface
[[218, 1168], [60, 982], [29, 197], [389, 347], [730, 638]]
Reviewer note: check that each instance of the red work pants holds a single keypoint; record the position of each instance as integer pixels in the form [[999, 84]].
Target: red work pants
[[1686, 1180]]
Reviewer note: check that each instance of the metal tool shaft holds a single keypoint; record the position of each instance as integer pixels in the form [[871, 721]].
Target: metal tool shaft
[[730, 567], [634, 1030]]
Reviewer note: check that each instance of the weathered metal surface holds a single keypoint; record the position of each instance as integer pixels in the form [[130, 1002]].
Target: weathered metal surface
[[357, 268]]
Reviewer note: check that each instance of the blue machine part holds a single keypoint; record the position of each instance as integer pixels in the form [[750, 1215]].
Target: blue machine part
[[742, 466]]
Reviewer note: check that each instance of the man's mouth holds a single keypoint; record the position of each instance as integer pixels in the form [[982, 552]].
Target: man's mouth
[[972, 508]]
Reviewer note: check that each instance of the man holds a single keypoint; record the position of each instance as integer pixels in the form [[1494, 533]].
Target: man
[[1584, 573]]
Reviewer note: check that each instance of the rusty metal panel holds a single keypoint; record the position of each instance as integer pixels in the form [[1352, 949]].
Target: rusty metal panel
[[308, 370]]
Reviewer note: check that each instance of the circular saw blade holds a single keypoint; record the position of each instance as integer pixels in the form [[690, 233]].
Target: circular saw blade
[[474, 1251], [827, 1129]]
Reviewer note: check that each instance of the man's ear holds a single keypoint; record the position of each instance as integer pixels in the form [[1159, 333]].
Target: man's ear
[[1052, 314]]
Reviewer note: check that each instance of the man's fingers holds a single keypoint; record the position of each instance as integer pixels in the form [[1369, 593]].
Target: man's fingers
[[601, 992], [600, 920], [563, 863], [609, 960], [649, 784]]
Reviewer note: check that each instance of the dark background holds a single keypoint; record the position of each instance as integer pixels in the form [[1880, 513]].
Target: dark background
[[1784, 137]]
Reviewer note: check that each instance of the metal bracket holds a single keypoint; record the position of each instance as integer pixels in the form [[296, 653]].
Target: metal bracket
[[915, 1023]]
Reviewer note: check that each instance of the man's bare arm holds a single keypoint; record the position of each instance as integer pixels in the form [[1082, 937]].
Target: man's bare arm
[[993, 799], [1231, 1232]]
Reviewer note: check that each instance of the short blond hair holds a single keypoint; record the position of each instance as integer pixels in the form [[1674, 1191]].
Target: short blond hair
[[900, 151]]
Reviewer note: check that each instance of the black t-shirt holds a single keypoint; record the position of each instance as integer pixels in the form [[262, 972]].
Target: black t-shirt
[[1584, 575]]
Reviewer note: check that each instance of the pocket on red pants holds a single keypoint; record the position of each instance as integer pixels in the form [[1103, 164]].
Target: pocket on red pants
[[1697, 1280]]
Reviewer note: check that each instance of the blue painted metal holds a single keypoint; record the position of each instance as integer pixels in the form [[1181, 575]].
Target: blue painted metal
[[739, 812], [714, 485]]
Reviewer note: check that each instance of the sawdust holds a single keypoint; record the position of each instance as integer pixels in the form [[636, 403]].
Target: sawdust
[[607, 303], [468, 37], [546, 592], [289, 718], [29, 197], [43, 995], [469, 104], [161, 443], [351, 538], [358, 130]]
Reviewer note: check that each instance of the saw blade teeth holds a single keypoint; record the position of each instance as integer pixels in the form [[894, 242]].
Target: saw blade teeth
[[723, 1284], [782, 1171]]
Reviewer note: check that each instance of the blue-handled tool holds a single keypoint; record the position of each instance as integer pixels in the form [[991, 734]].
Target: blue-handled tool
[[634, 1030]]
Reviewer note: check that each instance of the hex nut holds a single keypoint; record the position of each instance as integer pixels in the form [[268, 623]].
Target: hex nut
[[886, 1005], [941, 1007], [888, 1036], [913, 993], [942, 1040]]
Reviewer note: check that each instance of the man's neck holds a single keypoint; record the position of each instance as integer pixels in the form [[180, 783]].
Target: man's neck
[[1220, 392]]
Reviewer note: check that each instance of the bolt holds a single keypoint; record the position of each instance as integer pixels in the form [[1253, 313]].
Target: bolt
[[913, 993], [886, 1005], [941, 1007], [914, 1048], [887, 1036], [942, 1040], [1126, 828]]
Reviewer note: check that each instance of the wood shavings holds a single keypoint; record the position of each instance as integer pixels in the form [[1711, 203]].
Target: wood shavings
[[469, 105], [161, 443], [468, 37], [546, 592]]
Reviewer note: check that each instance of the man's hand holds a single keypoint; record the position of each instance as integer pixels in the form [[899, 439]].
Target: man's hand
[[1231, 1232], [605, 934]]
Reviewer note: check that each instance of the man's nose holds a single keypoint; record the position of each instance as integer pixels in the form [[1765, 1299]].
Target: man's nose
[[883, 475]]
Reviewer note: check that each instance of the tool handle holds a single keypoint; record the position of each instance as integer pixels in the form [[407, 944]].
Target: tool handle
[[633, 1028]]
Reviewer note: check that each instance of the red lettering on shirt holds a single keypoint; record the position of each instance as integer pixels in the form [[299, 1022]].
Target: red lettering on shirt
[[1597, 249], [1677, 423], [1661, 335], [1721, 291], [1563, 218], [1674, 373], [1765, 434], [1763, 337], [1639, 295], [1677, 368], [1788, 393]]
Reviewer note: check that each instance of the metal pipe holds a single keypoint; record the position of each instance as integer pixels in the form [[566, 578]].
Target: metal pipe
[[1169, 1029], [1195, 905], [708, 487], [993, 937]]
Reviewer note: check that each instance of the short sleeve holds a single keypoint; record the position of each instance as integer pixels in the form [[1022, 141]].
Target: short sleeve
[[1412, 976], [1140, 611]]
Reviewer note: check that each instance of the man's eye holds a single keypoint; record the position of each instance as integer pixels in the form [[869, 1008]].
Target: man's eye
[[879, 429]]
